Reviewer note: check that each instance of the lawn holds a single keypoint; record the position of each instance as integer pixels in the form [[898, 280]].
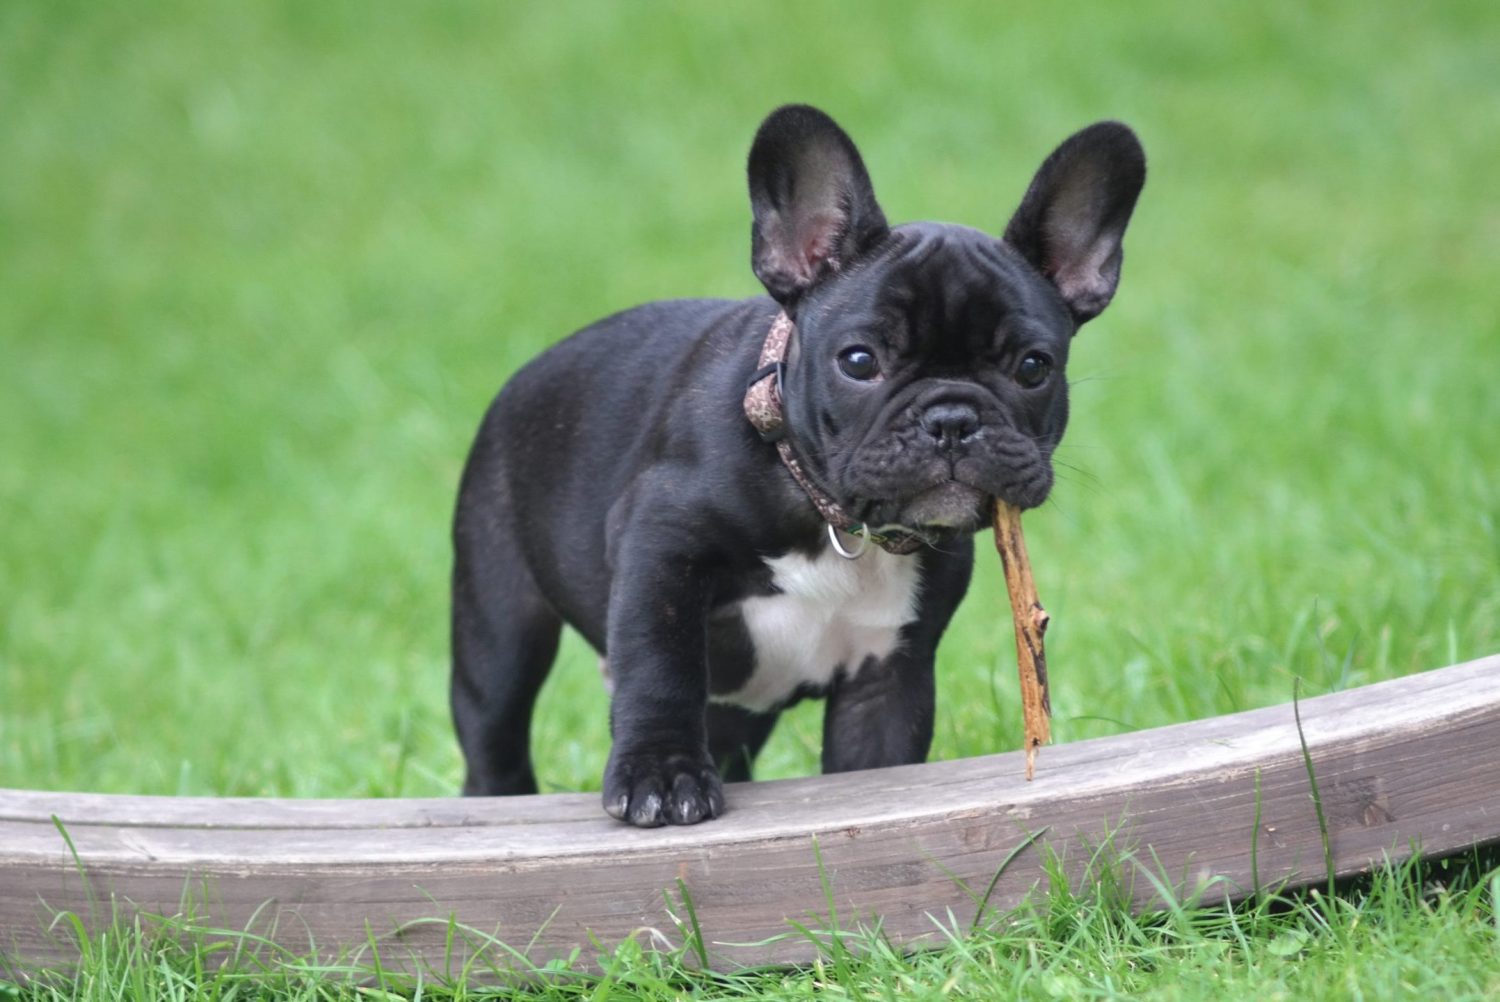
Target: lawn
[[263, 265]]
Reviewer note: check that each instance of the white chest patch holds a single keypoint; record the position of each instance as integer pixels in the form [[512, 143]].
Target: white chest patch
[[832, 613]]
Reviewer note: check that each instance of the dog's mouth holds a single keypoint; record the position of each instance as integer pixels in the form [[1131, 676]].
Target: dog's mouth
[[953, 507], [950, 508], [945, 489]]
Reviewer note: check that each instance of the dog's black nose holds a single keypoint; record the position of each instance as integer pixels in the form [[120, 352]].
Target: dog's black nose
[[950, 423]]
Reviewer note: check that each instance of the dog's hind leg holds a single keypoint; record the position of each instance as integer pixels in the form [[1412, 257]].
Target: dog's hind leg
[[505, 637]]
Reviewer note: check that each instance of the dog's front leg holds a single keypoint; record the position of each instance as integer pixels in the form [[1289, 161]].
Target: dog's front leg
[[660, 770], [882, 715]]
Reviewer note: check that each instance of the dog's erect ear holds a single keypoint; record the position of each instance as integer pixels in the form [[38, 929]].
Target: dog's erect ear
[[815, 210], [1071, 223]]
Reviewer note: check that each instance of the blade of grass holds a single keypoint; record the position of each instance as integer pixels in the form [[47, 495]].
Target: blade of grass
[[1312, 782]]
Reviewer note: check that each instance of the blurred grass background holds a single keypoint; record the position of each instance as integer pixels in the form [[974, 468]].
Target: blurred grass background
[[263, 265]]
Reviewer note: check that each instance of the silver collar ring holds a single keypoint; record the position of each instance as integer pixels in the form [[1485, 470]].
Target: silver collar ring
[[838, 547]]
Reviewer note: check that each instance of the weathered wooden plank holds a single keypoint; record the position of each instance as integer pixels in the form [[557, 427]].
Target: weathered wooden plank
[[1415, 760]]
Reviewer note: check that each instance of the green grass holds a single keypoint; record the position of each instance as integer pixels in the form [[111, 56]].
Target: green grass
[[262, 266], [1410, 932]]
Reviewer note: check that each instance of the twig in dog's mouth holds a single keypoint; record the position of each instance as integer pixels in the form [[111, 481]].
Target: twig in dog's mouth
[[1031, 626]]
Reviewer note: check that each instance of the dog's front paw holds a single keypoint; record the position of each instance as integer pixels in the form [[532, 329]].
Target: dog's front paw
[[652, 788]]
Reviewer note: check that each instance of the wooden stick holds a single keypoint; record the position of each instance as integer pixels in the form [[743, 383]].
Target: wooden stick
[[1031, 626]]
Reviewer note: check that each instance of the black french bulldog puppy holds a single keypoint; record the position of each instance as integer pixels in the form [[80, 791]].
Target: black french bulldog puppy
[[731, 552]]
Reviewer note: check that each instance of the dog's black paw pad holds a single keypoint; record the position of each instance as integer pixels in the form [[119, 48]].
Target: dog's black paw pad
[[650, 789]]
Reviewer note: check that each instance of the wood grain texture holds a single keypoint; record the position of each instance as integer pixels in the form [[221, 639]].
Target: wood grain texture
[[1411, 762]]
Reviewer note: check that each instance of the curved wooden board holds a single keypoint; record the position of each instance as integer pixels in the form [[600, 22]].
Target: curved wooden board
[[1413, 762]]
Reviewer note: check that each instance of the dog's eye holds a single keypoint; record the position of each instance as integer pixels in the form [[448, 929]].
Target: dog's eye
[[1033, 370], [858, 363]]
